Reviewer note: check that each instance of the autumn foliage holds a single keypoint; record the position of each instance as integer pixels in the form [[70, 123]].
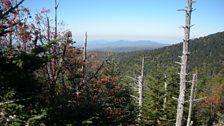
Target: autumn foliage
[[48, 69]]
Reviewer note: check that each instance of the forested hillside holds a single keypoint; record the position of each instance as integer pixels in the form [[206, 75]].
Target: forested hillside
[[46, 79], [206, 55], [206, 58]]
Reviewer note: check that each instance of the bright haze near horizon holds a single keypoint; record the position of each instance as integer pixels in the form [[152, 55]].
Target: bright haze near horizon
[[155, 20]]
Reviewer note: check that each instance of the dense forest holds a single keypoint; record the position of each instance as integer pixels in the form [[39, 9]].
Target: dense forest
[[46, 80], [206, 58]]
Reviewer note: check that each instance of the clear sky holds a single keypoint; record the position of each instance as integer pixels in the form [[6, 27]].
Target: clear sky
[[156, 20]]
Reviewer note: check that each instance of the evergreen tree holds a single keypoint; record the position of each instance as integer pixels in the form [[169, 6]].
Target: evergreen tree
[[156, 111]]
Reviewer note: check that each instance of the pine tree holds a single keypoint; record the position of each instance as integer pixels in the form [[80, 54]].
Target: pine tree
[[155, 111]]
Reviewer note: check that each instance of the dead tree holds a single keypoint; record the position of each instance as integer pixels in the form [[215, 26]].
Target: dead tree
[[184, 64], [84, 57], [165, 90], [139, 87], [192, 97], [83, 65], [140, 84]]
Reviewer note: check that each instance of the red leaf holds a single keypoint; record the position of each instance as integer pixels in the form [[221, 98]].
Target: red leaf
[[103, 80], [18, 47], [108, 94], [106, 77], [32, 26], [117, 87], [1, 26], [99, 82], [7, 4], [9, 33], [9, 22], [5, 43], [97, 91]]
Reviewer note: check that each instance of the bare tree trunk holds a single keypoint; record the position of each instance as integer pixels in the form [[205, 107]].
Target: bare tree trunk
[[184, 60], [85, 56], [83, 65], [165, 98], [140, 93], [191, 99], [56, 36], [140, 84], [195, 86]]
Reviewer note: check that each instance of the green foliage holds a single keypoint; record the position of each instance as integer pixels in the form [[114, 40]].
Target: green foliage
[[90, 121], [17, 72], [206, 57], [43, 81], [14, 113], [102, 100], [35, 118], [155, 110], [220, 120]]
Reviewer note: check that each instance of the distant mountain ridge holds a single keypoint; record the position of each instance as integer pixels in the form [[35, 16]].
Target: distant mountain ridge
[[123, 45], [206, 56]]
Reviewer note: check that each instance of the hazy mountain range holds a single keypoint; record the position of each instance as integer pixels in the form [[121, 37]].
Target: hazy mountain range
[[122, 45]]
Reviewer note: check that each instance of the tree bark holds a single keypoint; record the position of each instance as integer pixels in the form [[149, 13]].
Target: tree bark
[[191, 99], [184, 62], [85, 55], [83, 65], [165, 90], [140, 84]]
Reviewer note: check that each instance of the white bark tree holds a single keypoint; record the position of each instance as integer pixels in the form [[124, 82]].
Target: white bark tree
[[165, 90], [192, 96], [139, 87], [85, 55], [184, 64], [140, 84], [83, 65]]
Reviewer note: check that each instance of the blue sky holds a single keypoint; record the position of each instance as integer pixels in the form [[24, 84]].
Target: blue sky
[[156, 20]]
